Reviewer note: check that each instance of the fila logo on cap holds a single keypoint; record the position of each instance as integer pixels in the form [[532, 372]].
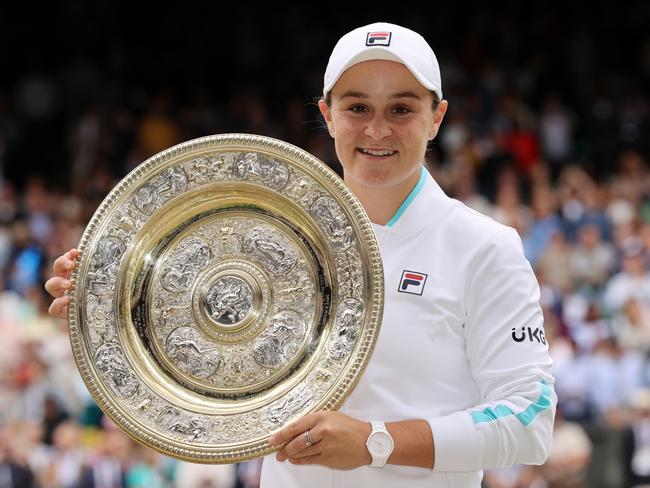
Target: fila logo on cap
[[378, 39], [412, 282]]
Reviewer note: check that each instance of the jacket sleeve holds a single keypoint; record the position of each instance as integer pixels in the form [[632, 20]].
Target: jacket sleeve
[[510, 363]]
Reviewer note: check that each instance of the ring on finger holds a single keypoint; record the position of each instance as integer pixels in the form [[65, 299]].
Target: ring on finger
[[308, 440]]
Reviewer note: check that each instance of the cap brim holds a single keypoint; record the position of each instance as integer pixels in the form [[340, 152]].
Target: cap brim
[[381, 54]]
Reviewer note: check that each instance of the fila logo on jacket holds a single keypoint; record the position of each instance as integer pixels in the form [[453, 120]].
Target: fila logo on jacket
[[412, 282]]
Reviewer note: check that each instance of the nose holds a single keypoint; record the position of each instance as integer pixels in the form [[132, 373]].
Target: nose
[[378, 127]]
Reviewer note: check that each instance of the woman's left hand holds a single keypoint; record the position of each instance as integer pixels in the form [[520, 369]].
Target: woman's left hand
[[339, 441]]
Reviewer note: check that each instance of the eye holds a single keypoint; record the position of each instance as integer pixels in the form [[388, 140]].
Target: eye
[[401, 110], [358, 108]]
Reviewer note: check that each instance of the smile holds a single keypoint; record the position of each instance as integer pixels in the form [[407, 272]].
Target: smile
[[377, 152]]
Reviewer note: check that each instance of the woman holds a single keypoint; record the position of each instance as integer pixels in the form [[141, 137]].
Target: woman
[[460, 377]]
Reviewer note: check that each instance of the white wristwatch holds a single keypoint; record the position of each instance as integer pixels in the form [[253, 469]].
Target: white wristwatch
[[380, 444]]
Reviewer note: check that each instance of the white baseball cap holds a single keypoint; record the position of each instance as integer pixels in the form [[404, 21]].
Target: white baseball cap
[[390, 42]]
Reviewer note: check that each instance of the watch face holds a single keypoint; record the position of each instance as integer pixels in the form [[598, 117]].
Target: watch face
[[380, 444]]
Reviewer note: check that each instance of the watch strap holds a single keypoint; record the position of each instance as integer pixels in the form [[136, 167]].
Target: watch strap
[[377, 426]]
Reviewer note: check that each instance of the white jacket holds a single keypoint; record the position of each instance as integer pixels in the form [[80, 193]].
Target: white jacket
[[461, 345]]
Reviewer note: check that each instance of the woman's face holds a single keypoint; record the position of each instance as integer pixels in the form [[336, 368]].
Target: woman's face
[[381, 119]]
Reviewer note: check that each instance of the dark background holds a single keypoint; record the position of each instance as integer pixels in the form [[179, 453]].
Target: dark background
[[62, 59]]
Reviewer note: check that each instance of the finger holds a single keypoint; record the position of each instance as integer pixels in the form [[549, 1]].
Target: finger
[[59, 307], [293, 430], [315, 459], [64, 265], [297, 445], [316, 448], [57, 286]]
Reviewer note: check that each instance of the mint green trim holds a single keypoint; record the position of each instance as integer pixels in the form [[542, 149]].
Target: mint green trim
[[414, 193], [526, 417], [491, 414]]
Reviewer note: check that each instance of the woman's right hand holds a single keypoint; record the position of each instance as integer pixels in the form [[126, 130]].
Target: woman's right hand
[[60, 283]]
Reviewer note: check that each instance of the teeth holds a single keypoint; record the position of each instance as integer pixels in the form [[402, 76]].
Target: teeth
[[372, 152]]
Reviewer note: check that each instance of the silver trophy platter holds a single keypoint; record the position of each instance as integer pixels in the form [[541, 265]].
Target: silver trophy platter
[[225, 287]]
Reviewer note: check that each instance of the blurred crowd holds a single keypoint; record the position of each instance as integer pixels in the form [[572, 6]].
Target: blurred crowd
[[567, 168]]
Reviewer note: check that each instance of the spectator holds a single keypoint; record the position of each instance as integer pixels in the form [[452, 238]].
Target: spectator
[[556, 132], [572, 381], [568, 462], [545, 226], [636, 443], [14, 468], [145, 471], [632, 282], [555, 262], [632, 326], [592, 260], [64, 467], [107, 465], [590, 331], [508, 208]]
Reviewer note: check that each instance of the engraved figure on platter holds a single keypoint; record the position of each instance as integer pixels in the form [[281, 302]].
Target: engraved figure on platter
[[109, 359], [234, 367], [297, 284], [301, 188], [194, 256], [210, 167], [333, 221], [347, 328], [229, 300], [153, 194], [281, 413], [105, 263], [272, 173], [194, 427], [262, 243], [229, 240], [168, 317], [185, 347], [303, 192], [237, 372], [280, 340]]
